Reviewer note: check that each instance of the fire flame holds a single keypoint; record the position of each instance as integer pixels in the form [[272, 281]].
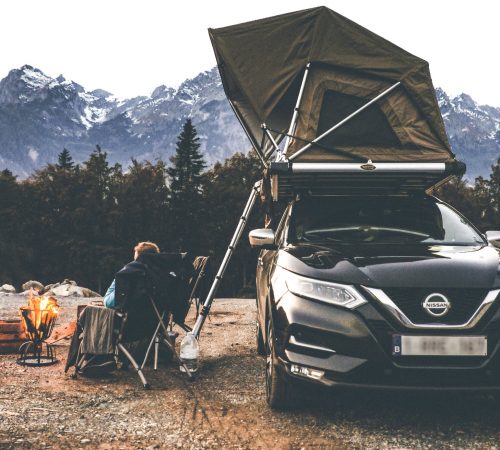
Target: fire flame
[[41, 309]]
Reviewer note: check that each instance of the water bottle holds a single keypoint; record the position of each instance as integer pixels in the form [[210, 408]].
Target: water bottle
[[190, 351]]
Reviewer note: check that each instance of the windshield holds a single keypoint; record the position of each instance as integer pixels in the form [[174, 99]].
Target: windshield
[[371, 220]]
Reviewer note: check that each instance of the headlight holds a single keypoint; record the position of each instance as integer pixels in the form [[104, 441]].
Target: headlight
[[336, 294]]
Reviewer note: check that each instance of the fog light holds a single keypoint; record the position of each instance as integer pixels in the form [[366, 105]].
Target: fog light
[[307, 372]]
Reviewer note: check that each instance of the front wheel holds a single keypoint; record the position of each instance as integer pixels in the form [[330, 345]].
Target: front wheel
[[280, 393]]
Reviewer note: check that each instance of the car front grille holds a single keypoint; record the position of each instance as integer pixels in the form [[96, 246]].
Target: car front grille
[[464, 303]]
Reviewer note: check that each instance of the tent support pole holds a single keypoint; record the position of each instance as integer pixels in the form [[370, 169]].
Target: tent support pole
[[275, 143], [343, 121], [271, 139], [229, 253], [291, 131], [255, 145]]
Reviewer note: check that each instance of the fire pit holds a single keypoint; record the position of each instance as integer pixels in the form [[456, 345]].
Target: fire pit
[[38, 318]]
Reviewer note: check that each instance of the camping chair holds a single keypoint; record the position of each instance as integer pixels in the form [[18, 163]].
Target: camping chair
[[151, 294], [197, 288]]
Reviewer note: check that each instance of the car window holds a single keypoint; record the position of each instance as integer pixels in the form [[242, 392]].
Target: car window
[[380, 220]]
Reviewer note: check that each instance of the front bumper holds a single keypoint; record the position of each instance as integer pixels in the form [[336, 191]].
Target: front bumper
[[354, 349]]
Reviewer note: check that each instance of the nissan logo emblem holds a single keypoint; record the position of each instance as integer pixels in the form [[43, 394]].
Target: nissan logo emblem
[[436, 305]]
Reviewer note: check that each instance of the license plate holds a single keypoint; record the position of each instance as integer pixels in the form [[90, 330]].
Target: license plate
[[439, 345]]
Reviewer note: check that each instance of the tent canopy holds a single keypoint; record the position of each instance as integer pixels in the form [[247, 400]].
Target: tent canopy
[[262, 65]]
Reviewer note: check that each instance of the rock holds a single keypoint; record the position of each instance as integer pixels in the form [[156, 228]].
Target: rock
[[49, 287], [61, 291], [36, 285], [66, 288], [72, 290], [89, 293], [7, 289]]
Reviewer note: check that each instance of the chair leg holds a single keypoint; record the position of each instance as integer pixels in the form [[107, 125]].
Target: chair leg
[[167, 342], [135, 365], [157, 345], [153, 339], [78, 362]]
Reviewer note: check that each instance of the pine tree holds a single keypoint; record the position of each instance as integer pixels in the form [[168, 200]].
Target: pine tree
[[65, 161], [97, 172], [188, 164], [186, 180]]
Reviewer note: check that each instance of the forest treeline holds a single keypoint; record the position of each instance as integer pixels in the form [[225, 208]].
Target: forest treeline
[[81, 221]]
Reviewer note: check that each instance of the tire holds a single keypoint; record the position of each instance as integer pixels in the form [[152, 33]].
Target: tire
[[261, 346], [280, 392]]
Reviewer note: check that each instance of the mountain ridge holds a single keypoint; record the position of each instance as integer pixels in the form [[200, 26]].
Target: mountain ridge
[[41, 115]]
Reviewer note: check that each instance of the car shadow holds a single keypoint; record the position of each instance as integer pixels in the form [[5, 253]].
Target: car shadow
[[458, 411]]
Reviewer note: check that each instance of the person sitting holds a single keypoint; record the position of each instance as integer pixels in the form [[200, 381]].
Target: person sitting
[[140, 248]]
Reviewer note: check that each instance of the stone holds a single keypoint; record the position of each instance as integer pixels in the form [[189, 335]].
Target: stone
[[66, 288], [7, 289], [49, 287], [61, 290], [36, 285], [72, 290], [89, 293]]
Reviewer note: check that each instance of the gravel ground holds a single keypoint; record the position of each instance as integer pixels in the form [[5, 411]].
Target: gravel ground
[[225, 407]]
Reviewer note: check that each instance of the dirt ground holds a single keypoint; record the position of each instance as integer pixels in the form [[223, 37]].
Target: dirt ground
[[225, 407]]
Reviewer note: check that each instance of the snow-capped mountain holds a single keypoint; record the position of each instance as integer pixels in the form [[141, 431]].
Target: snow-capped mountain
[[473, 131], [40, 115]]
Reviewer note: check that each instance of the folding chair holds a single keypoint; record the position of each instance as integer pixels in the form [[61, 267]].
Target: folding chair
[[133, 321], [152, 294], [197, 288]]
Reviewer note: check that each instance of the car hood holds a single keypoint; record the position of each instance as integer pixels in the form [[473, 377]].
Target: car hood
[[396, 265]]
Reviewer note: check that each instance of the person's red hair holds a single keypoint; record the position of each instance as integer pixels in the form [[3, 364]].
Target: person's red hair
[[146, 247]]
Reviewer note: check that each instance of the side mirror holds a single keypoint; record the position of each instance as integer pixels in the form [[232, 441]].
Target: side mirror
[[493, 237], [263, 238]]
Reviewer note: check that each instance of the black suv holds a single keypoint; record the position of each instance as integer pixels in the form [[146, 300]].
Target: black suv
[[394, 292]]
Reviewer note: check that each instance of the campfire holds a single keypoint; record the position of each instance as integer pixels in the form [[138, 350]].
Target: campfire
[[38, 319]]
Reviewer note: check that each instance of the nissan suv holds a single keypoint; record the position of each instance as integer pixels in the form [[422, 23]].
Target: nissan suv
[[393, 292]]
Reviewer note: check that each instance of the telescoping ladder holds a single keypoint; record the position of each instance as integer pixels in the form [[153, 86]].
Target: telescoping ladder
[[227, 257]]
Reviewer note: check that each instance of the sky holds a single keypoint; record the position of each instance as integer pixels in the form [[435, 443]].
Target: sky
[[130, 47]]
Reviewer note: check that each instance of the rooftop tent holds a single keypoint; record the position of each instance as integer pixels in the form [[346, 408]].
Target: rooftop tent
[[328, 67]]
